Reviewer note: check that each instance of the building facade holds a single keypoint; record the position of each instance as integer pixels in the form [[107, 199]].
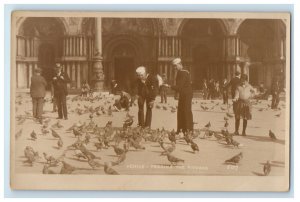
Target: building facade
[[100, 49]]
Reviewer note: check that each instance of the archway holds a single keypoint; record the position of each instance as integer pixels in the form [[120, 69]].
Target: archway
[[263, 48], [202, 41], [39, 44]]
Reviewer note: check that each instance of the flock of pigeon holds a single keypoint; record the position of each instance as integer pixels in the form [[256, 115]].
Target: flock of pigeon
[[122, 140]]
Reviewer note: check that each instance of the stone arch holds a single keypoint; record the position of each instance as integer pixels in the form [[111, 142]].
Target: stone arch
[[62, 21], [221, 23]]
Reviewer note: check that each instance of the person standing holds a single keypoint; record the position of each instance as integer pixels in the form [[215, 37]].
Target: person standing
[[146, 88], [205, 89], [275, 90], [234, 83], [163, 89], [225, 91], [184, 88], [38, 92], [60, 81], [242, 96]]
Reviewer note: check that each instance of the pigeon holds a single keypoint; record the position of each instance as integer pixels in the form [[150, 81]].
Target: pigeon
[[128, 122], [223, 109], [30, 155], [55, 134], [67, 168], [229, 115], [208, 125], [118, 150], [168, 149], [60, 143], [235, 159], [79, 154], [278, 115], [272, 135], [18, 134], [235, 143], [94, 164], [267, 168], [194, 146], [98, 145], [87, 153], [225, 118], [226, 124], [187, 138], [49, 159], [46, 170], [173, 159], [108, 170], [165, 108], [121, 158], [136, 145], [76, 132], [33, 135], [172, 136], [158, 107]]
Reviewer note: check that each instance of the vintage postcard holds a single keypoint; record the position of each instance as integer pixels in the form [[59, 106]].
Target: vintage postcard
[[166, 101]]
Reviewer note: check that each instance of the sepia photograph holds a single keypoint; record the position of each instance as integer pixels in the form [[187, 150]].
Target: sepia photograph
[[165, 101]]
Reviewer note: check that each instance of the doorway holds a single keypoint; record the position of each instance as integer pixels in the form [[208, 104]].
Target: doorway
[[124, 72], [201, 66], [47, 61]]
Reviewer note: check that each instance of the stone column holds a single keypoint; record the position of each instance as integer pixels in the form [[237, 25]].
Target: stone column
[[98, 72]]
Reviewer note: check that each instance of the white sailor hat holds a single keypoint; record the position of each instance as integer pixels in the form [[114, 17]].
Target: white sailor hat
[[141, 70], [176, 61]]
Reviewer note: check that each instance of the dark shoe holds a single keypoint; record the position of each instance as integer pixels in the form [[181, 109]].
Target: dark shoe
[[236, 133], [243, 134]]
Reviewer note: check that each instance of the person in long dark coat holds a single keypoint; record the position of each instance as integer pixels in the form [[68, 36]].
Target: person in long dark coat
[[38, 92], [60, 81], [225, 91], [146, 87], [184, 88]]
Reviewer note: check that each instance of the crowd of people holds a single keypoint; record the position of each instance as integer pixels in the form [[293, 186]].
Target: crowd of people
[[148, 86]]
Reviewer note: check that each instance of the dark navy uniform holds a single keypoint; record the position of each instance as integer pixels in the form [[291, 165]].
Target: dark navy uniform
[[184, 88], [60, 93], [147, 92]]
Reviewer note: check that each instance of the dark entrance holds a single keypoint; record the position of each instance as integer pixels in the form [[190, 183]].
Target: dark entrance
[[47, 61], [201, 66], [124, 72]]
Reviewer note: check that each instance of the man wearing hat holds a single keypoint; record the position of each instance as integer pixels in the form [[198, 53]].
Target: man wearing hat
[[38, 92], [60, 81], [184, 88], [146, 88]]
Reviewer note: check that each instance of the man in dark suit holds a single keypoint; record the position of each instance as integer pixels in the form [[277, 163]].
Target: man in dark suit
[[234, 83], [184, 88], [38, 92], [146, 88], [60, 81], [275, 91], [225, 91]]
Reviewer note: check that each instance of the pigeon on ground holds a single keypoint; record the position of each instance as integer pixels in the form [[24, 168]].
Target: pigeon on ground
[[172, 136], [194, 146], [55, 134], [49, 159], [118, 150], [67, 168], [33, 135], [272, 135], [235, 159], [18, 134], [60, 143], [229, 115], [174, 160], [46, 170], [98, 145], [267, 168], [208, 125], [108, 170]]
